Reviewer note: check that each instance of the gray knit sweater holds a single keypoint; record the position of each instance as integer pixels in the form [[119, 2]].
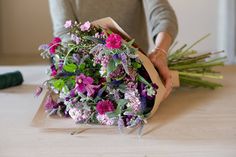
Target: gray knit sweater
[[136, 17]]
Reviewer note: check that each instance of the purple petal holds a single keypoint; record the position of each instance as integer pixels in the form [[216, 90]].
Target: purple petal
[[43, 47], [80, 88], [88, 80]]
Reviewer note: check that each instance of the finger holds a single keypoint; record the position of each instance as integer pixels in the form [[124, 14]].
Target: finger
[[165, 73], [169, 86]]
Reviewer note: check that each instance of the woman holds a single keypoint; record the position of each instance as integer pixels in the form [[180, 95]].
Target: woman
[[134, 16]]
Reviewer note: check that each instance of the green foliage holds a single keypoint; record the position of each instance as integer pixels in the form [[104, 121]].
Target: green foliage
[[136, 65], [70, 67], [111, 66], [59, 84]]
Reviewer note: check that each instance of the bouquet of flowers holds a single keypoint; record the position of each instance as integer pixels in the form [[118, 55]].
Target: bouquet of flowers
[[99, 77]]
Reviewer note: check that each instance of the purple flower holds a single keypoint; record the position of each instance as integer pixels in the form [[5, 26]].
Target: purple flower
[[53, 70], [124, 61], [85, 84], [114, 41], [85, 26], [133, 98], [118, 73], [104, 106], [76, 58], [149, 91], [121, 124], [105, 60], [75, 38], [68, 24], [60, 64], [50, 103], [43, 47]]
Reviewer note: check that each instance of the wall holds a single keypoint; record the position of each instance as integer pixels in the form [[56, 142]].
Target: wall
[[197, 18], [26, 23]]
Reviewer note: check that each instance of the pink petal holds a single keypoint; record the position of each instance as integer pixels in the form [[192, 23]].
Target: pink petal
[[80, 88], [88, 80]]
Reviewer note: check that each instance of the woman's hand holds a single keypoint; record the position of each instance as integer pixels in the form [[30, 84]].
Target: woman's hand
[[159, 60]]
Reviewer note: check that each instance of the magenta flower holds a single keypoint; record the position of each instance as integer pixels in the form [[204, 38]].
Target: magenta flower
[[68, 24], [85, 84], [85, 26], [54, 44], [104, 106], [113, 41], [56, 41]]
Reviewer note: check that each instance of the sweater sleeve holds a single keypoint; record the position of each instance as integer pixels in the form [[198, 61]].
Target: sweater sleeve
[[161, 18], [61, 11]]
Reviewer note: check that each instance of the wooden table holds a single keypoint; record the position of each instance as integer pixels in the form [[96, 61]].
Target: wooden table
[[191, 123]]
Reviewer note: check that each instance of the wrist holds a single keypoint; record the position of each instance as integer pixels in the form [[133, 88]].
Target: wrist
[[157, 54], [157, 50]]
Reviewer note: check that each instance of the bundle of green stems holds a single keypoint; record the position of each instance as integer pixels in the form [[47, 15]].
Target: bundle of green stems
[[195, 69]]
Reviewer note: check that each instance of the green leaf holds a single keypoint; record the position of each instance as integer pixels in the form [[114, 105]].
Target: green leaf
[[122, 102], [136, 65], [122, 88], [143, 80], [111, 114], [109, 31], [59, 84], [70, 67], [111, 66], [130, 43], [81, 67], [120, 105]]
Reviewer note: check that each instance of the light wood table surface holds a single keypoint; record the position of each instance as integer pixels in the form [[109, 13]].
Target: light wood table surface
[[190, 123]]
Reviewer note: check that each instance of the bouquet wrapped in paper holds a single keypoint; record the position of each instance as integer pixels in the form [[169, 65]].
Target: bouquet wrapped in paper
[[100, 77]]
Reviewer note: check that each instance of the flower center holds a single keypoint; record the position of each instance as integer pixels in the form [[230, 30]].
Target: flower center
[[80, 81]]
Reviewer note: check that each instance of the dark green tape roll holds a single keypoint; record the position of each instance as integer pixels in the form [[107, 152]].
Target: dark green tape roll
[[10, 79]]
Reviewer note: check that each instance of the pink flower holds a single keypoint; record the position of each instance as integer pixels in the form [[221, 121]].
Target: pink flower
[[133, 98], [54, 72], [54, 44], [113, 41], [105, 106], [85, 26], [68, 24], [79, 115], [105, 120], [85, 84]]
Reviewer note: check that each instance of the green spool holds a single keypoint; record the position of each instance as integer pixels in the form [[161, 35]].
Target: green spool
[[11, 79]]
